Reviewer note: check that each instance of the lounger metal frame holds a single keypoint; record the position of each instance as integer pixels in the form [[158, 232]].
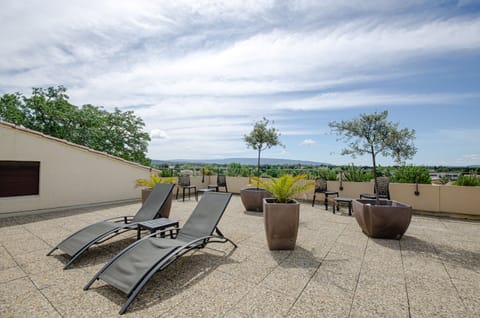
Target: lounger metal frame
[[164, 261], [99, 239], [126, 226]]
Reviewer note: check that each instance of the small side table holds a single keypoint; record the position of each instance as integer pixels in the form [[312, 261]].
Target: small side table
[[337, 201], [157, 224], [206, 190], [327, 193]]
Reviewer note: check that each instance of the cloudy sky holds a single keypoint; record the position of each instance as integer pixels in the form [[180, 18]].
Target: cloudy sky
[[200, 73]]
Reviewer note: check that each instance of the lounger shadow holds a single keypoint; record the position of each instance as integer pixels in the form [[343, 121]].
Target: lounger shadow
[[133, 267], [79, 242]]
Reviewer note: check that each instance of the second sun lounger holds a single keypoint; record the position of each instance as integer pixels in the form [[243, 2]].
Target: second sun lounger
[[133, 267]]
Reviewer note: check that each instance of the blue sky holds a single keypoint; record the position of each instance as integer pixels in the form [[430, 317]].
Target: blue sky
[[200, 73]]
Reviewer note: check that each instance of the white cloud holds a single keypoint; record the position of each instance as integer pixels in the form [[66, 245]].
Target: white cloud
[[158, 134], [349, 99], [203, 71], [474, 157], [308, 142]]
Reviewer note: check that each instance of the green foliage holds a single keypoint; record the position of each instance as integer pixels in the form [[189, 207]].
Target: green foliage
[[324, 173], [153, 181], [49, 111], [373, 134], [471, 180], [208, 170], [11, 109], [236, 169], [411, 174], [262, 137], [167, 173], [284, 188], [356, 174]]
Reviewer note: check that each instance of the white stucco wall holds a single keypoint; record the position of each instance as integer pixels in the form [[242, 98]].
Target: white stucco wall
[[70, 175]]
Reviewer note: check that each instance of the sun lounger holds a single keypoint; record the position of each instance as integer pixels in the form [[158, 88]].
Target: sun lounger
[[79, 242], [133, 267]]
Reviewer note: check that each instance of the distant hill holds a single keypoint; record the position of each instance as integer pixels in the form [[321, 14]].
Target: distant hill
[[243, 161]]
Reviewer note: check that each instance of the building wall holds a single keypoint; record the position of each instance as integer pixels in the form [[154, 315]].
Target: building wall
[[70, 175]]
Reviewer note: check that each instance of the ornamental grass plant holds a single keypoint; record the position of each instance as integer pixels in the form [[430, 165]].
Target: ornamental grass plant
[[285, 187]]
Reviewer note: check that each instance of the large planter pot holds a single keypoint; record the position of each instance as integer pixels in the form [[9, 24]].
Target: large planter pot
[[145, 194], [165, 211], [383, 219], [252, 198], [281, 224]]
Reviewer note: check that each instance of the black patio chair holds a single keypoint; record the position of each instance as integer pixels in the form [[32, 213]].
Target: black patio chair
[[321, 187], [184, 183], [133, 267], [79, 242], [221, 183], [383, 190]]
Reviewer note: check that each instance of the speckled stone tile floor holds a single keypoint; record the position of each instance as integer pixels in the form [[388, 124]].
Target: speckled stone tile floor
[[335, 270]]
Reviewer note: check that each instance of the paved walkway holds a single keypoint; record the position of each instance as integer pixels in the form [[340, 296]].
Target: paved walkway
[[335, 271]]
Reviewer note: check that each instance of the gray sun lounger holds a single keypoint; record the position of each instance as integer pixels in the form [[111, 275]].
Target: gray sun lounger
[[133, 267], [79, 242]]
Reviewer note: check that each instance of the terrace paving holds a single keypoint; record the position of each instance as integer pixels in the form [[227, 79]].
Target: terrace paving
[[335, 270]]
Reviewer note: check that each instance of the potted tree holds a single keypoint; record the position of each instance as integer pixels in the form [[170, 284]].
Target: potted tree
[[260, 138], [149, 184], [282, 213], [373, 134]]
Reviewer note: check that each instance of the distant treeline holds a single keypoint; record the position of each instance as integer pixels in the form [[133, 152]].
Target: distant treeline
[[397, 174]]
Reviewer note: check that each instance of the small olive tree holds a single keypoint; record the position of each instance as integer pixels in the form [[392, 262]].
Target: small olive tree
[[262, 137], [373, 134]]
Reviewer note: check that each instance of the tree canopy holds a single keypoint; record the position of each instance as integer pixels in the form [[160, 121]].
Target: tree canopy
[[49, 111], [262, 137], [373, 134]]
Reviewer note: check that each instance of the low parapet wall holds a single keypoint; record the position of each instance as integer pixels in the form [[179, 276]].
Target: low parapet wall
[[457, 200]]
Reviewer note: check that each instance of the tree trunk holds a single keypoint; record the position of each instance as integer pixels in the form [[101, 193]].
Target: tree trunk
[[258, 166], [375, 185]]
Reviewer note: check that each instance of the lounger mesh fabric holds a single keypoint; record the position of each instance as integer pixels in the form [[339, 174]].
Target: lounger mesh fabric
[[133, 267], [75, 244], [127, 270]]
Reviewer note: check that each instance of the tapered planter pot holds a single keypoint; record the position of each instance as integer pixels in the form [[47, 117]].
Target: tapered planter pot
[[165, 211], [281, 224], [252, 198], [145, 194], [383, 219]]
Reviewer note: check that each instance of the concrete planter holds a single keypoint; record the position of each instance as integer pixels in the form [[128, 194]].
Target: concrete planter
[[165, 211], [145, 194], [384, 219], [281, 224], [252, 198]]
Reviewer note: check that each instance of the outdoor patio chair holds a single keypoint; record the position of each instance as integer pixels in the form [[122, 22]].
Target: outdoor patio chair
[[184, 183], [221, 183], [79, 242], [383, 190], [133, 267], [321, 187]]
